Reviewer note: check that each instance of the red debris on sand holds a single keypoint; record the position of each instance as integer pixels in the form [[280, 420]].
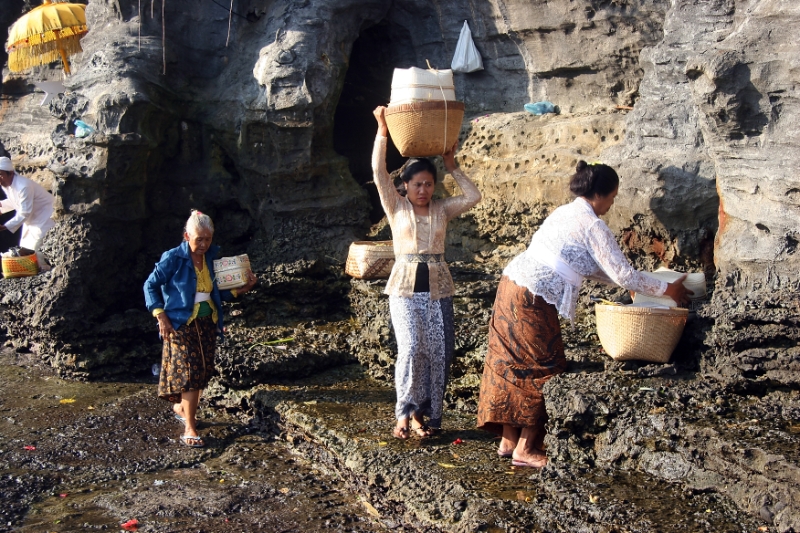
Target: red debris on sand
[[62, 495], [458, 441], [130, 525], [30, 448]]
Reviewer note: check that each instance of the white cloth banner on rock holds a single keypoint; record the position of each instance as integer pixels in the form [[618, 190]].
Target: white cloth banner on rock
[[467, 58]]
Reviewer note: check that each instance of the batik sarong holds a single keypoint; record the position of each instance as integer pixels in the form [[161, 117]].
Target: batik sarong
[[425, 342], [187, 359], [525, 351]]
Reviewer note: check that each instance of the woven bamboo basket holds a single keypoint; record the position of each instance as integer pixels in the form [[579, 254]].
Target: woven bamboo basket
[[639, 333], [423, 129], [19, 267], [370, 259], [231, 272]]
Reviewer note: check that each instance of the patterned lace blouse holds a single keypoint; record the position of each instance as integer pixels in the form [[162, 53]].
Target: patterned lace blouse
[[425, 236], [574, 233]]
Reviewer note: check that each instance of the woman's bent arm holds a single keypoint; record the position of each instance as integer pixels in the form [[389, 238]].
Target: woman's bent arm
[[455, 205], [152, 287]]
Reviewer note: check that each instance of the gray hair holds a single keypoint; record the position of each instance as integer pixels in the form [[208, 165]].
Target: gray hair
[[197, 221]]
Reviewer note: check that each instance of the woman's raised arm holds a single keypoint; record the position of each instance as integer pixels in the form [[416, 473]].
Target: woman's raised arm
[[389, 195]]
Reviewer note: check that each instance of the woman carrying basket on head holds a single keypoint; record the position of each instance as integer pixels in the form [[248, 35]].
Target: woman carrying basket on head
[[525, 345], [420, 287], [183, 296]]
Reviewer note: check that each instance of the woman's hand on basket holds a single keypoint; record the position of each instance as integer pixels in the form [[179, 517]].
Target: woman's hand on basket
[[251, 282], [677, 291], [449, 158], [164, 326], [380, 116]]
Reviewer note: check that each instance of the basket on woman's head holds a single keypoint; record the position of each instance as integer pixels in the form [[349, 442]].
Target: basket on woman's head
[[423, 116]]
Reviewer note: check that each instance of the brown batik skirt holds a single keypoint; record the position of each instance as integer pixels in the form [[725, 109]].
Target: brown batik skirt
[[525, 351], [187, 359]]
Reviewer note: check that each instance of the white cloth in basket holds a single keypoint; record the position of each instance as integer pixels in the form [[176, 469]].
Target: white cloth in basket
[[420, 85]]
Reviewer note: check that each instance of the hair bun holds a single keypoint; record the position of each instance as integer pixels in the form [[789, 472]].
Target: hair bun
[[581, 165]]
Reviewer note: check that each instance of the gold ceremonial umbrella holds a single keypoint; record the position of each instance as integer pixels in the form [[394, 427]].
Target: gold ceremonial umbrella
[[45, 34]]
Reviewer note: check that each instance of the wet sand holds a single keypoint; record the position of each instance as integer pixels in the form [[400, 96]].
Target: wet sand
[[106, 453]]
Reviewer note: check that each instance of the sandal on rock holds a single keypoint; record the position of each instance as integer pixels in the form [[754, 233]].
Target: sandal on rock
[[192, 441], [197, 423], [400, 433], [423, 430]]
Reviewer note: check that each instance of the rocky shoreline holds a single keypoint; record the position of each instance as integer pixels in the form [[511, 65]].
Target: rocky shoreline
[[324, 444], [725, 440]]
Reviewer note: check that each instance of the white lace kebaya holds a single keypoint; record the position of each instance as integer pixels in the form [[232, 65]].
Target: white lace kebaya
[[572, 244]]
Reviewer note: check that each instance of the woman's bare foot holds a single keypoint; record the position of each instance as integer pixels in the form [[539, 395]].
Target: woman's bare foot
[[535, 458], [508, 441], [506, 449]]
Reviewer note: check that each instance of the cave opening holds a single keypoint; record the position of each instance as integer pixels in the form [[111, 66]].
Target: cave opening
[[367, 84]]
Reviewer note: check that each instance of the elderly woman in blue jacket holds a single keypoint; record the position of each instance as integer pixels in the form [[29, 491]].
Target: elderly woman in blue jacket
[[183, 296]]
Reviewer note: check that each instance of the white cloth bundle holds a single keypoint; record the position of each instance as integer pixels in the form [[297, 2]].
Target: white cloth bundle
[[420, 85]]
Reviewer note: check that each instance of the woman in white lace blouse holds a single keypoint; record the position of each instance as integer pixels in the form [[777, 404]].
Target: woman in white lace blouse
[[525, 344], [420, 287]]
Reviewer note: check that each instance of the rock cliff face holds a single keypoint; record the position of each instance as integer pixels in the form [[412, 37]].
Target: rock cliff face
[[262, 118]]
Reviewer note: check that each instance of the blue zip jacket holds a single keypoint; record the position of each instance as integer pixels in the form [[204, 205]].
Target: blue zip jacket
[[173, 284]]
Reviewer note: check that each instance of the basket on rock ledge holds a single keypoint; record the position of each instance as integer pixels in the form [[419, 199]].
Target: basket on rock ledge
[[423, 129], [370, 259], [639, 333], [19, 267]]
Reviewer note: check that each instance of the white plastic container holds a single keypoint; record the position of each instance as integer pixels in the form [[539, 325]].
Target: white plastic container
[[420, 85], [231, 272]]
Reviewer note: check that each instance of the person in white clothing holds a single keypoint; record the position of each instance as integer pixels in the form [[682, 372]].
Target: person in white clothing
[[33, 206], [525, 345]]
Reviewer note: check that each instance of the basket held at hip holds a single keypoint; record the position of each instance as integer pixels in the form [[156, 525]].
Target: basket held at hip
[[639, 333], [370, 259]]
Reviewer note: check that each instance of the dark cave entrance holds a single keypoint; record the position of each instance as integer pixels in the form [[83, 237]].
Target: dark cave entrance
[[367, 85]]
